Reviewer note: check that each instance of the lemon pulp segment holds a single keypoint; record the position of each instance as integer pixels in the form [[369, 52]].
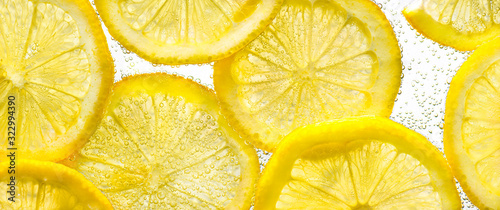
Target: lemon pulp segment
[[181, 31], [163, 144], [356, 163], [46, 185], [55, 62], [472, 126], [462, 24], [318, 60]]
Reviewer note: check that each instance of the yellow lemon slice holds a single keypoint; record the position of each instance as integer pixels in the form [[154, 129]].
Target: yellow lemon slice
[[463, 25], [163, 144], [472, 126], [356, 163], [47, 185], [55, 75], [181, 31], [318, 60]]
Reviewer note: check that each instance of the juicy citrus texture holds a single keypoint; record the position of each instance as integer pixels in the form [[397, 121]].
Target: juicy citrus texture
[[180, 31], [461, 24], [356, 163], [47, 185], [471, 139], [55, 62], [163, 144], [317, 60]]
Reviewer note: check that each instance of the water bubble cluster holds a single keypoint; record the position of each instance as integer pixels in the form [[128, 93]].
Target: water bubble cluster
[[427, 76], [133, 157]]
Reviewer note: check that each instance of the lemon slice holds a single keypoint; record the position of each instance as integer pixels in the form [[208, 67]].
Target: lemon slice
[[318, 60], [181, 31], [472, 126], [356, 163], [163, 144], [55, 75], [463, 25], [47, 185]]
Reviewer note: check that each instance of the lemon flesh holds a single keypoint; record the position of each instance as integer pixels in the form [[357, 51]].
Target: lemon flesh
[[47, 185], [368, 173], [163, 144], [179, 31], [356, 163], [464, 25], [180, 22], [472, 126], [318, 60], [54, 61]]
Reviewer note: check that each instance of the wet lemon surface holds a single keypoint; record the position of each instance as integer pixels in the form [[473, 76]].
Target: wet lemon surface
[[55, 64], [163, 144]]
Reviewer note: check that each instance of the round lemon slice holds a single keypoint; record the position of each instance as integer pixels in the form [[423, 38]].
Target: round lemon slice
[[472, 126], [318, 60], [46, 185], [356, 163], [55, 75], [463, 25], [163, 144], [182, 31]]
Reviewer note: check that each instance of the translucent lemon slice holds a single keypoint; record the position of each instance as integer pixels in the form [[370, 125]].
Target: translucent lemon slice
[[164, 144], [472, 126], [182, 31], [463, 25], [55, 75], [46, 185], [356, 163], [318, 60]]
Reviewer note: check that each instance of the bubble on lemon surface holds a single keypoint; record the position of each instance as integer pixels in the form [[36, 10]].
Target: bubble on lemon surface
[[190, 163]]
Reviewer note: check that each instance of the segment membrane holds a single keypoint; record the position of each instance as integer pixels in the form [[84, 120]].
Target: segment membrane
[[480, 127], [366, 174], [59, 108], [161, 152], [51, 35], [489, 171], [314, 62]]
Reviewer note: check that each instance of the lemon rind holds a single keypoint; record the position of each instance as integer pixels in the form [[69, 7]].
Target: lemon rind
[[176, 55], [461, 165], [276, 173]]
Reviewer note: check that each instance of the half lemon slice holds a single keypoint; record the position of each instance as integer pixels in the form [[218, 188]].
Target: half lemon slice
[[55, 75], [472, 126], [463, 25], [356, 163], [164, 144], [318, 60], [46, 185], [182, 31]]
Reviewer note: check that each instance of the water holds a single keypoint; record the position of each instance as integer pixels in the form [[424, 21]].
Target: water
[[420, 103]]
